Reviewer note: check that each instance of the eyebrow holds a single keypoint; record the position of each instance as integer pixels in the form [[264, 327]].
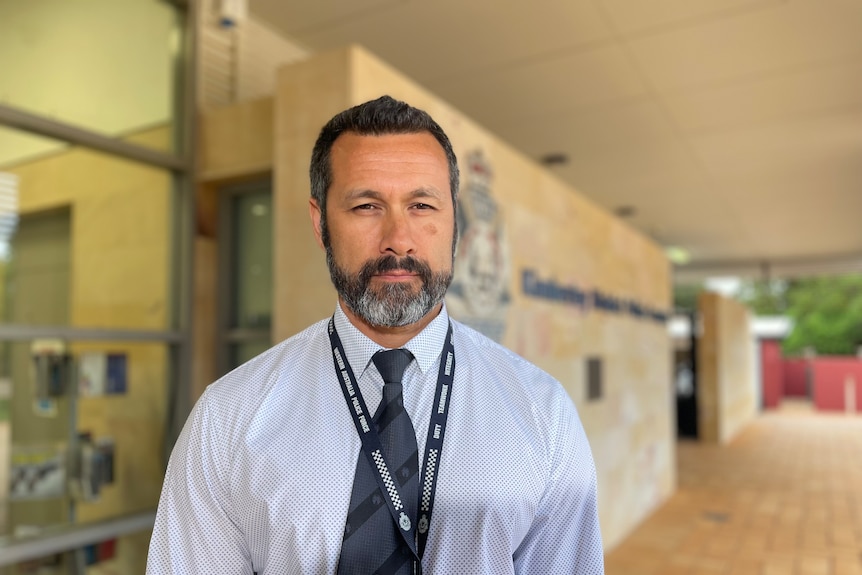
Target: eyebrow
[[375, 195]]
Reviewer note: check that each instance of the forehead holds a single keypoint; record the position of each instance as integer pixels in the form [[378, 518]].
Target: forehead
[[408, 155]]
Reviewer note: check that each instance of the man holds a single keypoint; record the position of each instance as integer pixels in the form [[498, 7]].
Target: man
[[319, 456]]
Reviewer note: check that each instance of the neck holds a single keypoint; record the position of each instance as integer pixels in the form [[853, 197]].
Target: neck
[[390, 337]]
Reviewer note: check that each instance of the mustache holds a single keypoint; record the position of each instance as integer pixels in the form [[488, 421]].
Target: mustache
[[391, 263]]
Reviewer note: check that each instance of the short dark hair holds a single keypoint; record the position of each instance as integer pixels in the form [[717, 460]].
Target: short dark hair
[[382, 116]]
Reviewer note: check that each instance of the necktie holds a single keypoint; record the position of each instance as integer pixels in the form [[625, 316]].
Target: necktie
[[372, 540]]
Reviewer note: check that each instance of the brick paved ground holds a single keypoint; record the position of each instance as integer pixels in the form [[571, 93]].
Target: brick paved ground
[[783, 498]]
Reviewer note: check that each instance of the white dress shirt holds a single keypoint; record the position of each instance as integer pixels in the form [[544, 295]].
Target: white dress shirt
[[261, 476]]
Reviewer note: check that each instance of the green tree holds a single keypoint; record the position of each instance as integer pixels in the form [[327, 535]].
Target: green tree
[[685, 297], [765, 297], [827, 315], [826, 311]]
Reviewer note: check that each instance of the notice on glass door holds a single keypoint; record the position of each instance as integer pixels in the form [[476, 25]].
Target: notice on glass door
[[92, 373]]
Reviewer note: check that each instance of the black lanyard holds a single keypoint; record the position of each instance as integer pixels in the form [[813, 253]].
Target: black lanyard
[[416, 536]]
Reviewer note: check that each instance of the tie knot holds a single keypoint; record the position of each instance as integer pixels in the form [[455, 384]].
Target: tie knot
[[392, 363]]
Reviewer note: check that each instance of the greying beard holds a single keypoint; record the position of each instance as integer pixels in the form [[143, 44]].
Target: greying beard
[[392, 304]]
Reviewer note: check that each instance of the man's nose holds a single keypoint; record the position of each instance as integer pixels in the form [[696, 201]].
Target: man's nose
[[397, 235]]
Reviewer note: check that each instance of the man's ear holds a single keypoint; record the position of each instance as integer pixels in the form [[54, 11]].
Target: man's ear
[[314, 212]]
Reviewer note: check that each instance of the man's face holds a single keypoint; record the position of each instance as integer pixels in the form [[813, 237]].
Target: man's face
[[390, 226]]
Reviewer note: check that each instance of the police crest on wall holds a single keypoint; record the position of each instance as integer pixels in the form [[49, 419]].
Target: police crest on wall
[[479, 294]]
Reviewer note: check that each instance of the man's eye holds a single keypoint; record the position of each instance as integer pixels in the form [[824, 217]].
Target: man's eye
[[424, 207], [364, 207]]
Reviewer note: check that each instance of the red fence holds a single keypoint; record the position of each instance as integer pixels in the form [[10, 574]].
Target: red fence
[[773, 367], [834, 383], [837, 383], [795, 378]]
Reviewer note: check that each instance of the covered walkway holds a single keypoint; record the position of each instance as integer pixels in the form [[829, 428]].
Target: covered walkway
[[783, 498]]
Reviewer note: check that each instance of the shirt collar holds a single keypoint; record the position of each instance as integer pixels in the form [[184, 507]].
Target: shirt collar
[[425, 347]]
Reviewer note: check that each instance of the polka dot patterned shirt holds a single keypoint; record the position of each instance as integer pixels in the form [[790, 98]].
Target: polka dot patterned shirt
[[261, 476]]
